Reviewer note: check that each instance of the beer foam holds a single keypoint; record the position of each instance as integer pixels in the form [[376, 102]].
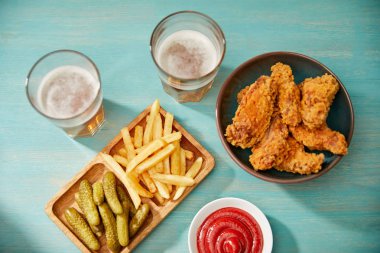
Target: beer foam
[[187, 54], [67, 91]]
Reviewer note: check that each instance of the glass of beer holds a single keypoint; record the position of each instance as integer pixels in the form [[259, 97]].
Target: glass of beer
[[187, 48], [64, 86]]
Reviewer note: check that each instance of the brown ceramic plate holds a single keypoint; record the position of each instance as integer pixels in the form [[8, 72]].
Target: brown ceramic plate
[[340, 118]]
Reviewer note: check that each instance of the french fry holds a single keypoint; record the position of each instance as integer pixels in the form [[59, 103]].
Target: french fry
[[140, 149], [149, 182], [148, 133], [161, 187], [175, 160], [121, 160], [195, 168], [173, 179], [141, 178], [191, 173], [169, 138], [156, 158], [140, 190], [167, 165], [157, 134], [134, 174], [183, 162], [168, 128], [189, 154], [159, 198], [170, 188], [168, 125], [123, 152], [148, 150], [167, 171], [131, 153], [157, 127], [160, 167], [137, 140], [118, 170]]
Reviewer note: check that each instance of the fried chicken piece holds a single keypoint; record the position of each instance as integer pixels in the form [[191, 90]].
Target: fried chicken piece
[[299, 161], [242, 93], [317, 96], [272, 148], [288, 94], [322, 138], [253, 115]]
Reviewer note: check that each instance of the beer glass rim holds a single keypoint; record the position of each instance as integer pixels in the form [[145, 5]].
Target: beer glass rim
[[52, 53], [208, 18]]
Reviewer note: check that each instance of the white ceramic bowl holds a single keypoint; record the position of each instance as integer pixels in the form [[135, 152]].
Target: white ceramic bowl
[[230, 202]]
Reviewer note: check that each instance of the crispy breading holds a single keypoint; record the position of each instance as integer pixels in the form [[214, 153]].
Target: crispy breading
[[253, 115], [272, 148], [317, 96], [322, 138], [288, 99], [242, 93], [299, 161], [271, 108]]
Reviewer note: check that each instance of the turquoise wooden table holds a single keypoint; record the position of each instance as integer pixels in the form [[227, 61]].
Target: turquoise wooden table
[[338, 212]]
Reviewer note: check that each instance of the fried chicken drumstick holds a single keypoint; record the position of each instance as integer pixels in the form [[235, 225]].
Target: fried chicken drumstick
[[317, 96], [299, 161], [288, 93], [322, 138], [272, 148]]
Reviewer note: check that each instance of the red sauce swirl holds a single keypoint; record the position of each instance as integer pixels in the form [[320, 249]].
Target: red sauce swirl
[[229, 230]]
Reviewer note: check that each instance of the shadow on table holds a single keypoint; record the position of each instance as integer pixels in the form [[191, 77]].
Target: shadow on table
[[283, 239], [117, 116], [222, 75], [332, 196], [12, 238], [210, 98]]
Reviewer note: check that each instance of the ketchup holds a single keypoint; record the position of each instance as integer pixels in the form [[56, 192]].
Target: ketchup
[[229, 230]]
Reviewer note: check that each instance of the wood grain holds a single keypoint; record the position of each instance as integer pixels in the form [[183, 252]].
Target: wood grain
[[338, 212], [97, 167]]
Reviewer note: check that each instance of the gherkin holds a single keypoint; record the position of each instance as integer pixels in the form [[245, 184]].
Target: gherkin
[[126, 201], [98, 193], [87, 202], [139, 218], [110, 227], [109, 187], [81, 228]]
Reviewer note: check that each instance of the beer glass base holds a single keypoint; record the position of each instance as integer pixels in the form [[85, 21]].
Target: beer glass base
[[88, 129], [185, 96]]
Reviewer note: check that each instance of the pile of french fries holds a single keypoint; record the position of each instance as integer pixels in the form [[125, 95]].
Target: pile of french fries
[[152, 164]]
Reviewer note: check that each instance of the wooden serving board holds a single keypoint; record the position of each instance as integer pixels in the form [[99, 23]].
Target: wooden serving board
[[95, 170]]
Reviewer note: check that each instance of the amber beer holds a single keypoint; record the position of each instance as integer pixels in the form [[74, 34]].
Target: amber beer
[[187, 48], [65, 87], [71, 93], [88, 128], [187, 54]]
